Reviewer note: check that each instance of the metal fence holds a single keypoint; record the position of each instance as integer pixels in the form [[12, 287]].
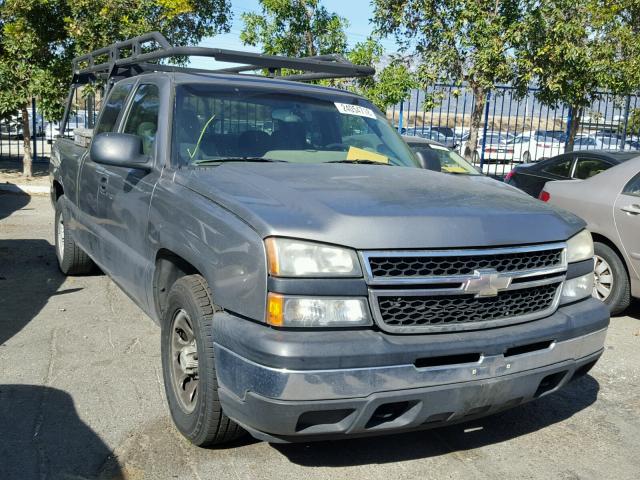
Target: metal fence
[[42, 131], [514, 129]]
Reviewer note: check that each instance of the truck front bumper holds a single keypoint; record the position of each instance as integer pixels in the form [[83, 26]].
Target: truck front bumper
[[277, 403]]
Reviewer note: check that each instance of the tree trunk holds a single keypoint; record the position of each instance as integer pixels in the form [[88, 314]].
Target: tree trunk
[[311, 49], [573, 127], [479, 99], [27, 159]]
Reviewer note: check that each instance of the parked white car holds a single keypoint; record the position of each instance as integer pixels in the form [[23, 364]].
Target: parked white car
[[496, 148], [531, 147], [76, 120]]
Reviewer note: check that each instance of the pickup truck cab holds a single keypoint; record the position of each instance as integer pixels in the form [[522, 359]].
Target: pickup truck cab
[[309, 279]]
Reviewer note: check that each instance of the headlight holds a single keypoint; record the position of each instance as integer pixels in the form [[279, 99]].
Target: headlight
[[289, 311], [296, 258], [577, 288], [580, 247]]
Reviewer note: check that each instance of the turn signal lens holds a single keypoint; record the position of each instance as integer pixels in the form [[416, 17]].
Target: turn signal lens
[[275, 311], [295, 311]]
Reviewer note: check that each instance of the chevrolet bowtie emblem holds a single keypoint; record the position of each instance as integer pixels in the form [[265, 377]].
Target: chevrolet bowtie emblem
[[486, 283]]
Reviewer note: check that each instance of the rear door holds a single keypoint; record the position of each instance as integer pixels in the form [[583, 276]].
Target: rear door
[[589, 165], [627, 218], [124, 207], [535, 177]]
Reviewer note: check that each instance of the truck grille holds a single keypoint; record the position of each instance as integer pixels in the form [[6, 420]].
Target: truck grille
[[450, 290], [412, 311], [452, 265]]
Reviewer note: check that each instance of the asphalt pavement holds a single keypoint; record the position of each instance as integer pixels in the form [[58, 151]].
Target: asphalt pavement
[[81, 396]]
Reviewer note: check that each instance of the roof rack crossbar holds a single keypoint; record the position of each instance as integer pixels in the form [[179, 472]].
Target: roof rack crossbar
[[313, 68]]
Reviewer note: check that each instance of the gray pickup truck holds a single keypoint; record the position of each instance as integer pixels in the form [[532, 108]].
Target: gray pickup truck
[[310, 281]]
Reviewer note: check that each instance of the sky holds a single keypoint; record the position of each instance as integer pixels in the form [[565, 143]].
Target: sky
[[357, 12]]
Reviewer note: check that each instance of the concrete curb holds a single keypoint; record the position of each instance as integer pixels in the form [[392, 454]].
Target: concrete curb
[[24, 188]]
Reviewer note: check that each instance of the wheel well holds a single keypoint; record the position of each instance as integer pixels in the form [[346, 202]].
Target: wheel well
[[602, 239], [169, 268], [57, 190]]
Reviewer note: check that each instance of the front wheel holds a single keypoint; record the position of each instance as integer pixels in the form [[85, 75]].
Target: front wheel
[[526, 157], [189, 367], [611, 282]]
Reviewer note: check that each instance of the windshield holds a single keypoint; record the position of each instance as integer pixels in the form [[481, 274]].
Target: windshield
[[215, 124], [443, 159]]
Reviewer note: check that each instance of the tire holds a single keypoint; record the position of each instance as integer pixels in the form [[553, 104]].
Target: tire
[[526, 157], [611, 274], [187, 342], [72, 260]]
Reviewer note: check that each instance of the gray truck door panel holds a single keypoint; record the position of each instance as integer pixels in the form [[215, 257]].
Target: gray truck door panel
[[123, 205]]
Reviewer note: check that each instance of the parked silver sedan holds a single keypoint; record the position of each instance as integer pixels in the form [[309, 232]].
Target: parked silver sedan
[[610, 204]]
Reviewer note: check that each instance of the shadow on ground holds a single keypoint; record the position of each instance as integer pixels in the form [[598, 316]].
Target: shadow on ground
[[634, 309], [29, 276], [12, 167], [47, 439], [498, 428], [10, 202]]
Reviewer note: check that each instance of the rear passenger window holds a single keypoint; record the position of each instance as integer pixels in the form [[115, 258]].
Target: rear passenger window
[[633, 187], [112, 108], [588, 167], [143, 116], [560, 169]]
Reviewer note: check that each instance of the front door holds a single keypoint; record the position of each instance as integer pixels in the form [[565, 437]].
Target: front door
[[124, 206]]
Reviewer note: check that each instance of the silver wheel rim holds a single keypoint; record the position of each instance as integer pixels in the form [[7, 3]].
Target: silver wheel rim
[[60, 235], [603, 279], [184, 361]]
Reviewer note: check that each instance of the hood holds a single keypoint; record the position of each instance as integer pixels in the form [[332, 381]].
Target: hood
[[376, 206]]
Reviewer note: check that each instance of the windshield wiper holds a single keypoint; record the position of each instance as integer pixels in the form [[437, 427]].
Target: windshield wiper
[[366, 162], [235, 159]]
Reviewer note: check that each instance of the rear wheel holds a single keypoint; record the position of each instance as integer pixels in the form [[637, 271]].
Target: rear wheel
[[611, 282], [72, 260], [189, 366], [526, 157]]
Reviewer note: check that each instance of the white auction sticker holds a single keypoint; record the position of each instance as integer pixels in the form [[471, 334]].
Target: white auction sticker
[[348, 109]]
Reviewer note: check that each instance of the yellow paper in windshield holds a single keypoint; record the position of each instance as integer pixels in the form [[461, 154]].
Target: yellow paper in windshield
[[356, 153], [453, 169]]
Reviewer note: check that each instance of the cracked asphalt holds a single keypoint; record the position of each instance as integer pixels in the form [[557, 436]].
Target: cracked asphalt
[[81, 396]]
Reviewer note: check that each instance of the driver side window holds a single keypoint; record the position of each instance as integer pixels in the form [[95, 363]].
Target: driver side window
[[143, 116]]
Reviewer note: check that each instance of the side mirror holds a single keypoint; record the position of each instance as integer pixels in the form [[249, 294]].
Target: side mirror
[[119, 150]]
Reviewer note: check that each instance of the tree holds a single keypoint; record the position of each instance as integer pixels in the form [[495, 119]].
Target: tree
[[32, 60], [305, 28], [391, 84], [461, 41], [39, 37], [295, 28], [572, 49]]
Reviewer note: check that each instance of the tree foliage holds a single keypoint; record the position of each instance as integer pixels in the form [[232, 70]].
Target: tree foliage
[[305, 27], [464, 41], [571, 49], [38, 38], [295, 28], [391, 84]]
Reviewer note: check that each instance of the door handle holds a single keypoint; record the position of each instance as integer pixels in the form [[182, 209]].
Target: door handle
[[632, 209]]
